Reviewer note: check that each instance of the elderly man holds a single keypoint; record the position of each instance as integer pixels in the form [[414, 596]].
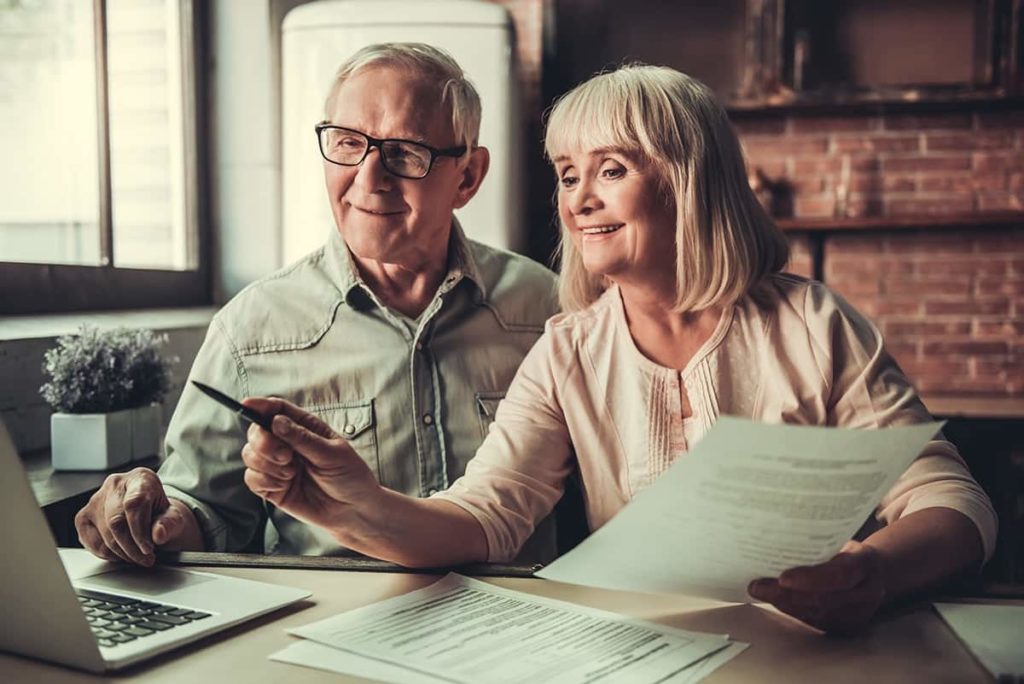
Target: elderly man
[[399, 333]]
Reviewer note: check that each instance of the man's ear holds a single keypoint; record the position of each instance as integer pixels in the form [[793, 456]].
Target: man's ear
[[472, 175]]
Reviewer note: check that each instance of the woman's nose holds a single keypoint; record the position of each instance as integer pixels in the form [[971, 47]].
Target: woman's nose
[[584, 200]]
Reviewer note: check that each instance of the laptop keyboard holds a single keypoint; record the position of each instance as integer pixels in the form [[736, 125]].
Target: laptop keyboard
[[117, 620]]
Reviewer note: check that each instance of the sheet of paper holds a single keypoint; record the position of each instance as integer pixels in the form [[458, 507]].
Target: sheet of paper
[[468, 631], [993, 633], [307, 653], [750, 500]]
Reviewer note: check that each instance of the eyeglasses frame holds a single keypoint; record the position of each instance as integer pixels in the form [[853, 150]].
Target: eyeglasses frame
[[372, 142]]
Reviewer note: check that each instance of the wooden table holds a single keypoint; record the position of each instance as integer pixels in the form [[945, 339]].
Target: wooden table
[[907, 645]]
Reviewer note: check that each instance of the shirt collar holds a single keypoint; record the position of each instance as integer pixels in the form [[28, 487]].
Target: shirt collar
[[343, 273]]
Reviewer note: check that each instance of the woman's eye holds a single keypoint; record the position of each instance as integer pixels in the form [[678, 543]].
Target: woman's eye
[[568, 181], [613, 172]]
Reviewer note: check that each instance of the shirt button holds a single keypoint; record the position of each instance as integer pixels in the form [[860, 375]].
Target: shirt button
[[428, 419], [349, 430], [419, 346], [431, 492]]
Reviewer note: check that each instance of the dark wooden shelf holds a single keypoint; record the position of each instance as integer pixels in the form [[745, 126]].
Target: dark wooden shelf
[[889, 223]]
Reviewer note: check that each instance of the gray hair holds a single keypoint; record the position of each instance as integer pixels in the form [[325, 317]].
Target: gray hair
[[726, 244], [433, 64]]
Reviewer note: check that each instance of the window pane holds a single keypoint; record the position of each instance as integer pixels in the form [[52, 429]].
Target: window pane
[[49, 187], [144, 58]]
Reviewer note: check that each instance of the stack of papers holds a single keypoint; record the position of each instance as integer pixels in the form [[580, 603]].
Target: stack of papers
[[464, 630]]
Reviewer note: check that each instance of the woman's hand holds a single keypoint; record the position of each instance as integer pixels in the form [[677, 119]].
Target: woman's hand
[[839, 596], [304, 467]]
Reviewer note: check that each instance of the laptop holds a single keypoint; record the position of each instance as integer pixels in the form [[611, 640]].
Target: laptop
[[116, 616]]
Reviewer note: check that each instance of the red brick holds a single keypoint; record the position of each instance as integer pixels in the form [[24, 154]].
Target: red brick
[[874, 182], [898, 306], [973, 307], [999, 328], [840, 245], [863, 205], [964, 386], [969, 265], [966, 347], [811, 185], [991, 161], [786, 145], [906, 122], [828, 124], [877, 143], [772, 167], [855, 287], [918, 286], [955, 204], [1005, 243], [947, 183], [927, 164], [1010, 286], [999, 367], [1000, 202], [931, 328], [815, 207], [931, 244], [929, 368], [903, 352], [936, 142], [806, 166], [762, 125]]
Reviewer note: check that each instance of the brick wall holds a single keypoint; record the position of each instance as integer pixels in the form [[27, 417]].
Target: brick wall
[[950, 302]]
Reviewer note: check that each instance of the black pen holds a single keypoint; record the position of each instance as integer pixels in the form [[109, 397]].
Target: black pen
[[243, 412]]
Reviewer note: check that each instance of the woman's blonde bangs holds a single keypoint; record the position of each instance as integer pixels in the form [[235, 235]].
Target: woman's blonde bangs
[[594, 116]]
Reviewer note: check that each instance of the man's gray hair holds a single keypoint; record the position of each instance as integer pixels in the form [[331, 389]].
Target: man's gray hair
[[433, 64]]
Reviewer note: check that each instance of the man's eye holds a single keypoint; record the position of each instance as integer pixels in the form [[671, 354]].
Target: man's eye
[[349, 143]]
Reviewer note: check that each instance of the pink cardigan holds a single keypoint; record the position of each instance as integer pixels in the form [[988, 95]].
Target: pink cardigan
[[586, 397]]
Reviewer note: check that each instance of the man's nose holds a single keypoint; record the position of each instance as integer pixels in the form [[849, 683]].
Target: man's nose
[[371, 174]]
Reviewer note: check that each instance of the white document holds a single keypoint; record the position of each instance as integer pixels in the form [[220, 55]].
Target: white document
[[311, 654], [462, 630], [993, 633], [749, 501]]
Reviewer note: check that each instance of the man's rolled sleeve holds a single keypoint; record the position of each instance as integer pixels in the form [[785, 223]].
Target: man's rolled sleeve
[[204, 441]]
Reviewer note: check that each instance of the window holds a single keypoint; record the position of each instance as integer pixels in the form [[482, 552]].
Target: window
[[99, 189]]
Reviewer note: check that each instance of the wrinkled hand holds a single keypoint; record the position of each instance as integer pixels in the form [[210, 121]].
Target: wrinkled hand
[[839, 596], [129, 516], [304, 468]]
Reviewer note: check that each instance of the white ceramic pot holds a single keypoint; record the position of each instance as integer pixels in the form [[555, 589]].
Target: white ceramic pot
[[145, 432], [102, 441]]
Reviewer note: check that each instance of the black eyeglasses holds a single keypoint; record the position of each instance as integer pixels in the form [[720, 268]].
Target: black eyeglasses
[[403, 158]]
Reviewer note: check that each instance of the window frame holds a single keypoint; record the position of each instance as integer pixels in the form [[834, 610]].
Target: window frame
[[39, 288]]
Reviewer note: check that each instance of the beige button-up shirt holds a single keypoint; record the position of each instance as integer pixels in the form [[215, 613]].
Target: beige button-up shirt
[[414, 398], [586, 397]]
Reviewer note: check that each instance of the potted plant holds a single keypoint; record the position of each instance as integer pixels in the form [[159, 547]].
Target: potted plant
[[105, 388]]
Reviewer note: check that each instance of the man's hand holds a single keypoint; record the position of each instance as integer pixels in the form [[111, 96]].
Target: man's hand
[[304, 467], [130, 515], [839, 596]]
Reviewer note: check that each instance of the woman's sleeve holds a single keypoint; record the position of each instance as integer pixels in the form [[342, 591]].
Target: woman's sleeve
[[867, 389], [518, 473]]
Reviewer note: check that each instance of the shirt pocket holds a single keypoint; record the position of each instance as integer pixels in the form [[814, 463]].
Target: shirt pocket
[[356, 422], [486, 407]]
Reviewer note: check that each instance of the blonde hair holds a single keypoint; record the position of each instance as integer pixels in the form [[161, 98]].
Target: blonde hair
[[726, 244], [431, 63]]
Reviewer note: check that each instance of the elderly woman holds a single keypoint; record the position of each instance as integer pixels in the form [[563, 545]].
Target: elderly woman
[[675, 312]]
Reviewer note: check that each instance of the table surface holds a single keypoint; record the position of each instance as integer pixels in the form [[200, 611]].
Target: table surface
[[909, 644]]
